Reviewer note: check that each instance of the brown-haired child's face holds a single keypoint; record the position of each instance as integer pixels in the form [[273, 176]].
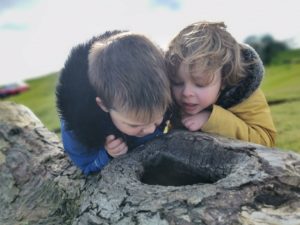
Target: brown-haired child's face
[[195, 92], [127, 123], [133, 127]]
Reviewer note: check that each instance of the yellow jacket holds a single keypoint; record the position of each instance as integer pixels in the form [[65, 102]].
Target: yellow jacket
[[249, 120]]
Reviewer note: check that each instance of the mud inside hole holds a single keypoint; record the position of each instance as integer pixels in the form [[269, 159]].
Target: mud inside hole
[[167, 171]]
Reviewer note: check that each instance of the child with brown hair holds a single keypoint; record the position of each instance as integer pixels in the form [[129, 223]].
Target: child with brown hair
[[112, 95], [215, 83]]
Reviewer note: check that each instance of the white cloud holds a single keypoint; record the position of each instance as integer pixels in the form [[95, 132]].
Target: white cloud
[[52, 27]]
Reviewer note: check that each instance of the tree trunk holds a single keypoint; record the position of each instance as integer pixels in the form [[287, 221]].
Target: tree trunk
[[180, 178]]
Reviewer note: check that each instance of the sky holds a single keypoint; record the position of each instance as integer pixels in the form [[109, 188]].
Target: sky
[[36, 36]]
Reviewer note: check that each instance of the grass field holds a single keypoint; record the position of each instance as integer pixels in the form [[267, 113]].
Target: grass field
[[41, 99], [281, 86], [282, 82]]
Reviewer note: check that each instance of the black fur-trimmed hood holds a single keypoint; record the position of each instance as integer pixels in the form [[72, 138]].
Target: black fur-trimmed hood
[[234, 95], [75, 98]]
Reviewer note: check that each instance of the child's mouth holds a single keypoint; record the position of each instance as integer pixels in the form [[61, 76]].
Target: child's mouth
[[189, 107]]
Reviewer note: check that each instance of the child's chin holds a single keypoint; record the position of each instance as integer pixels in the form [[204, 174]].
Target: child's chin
[[190, 113]]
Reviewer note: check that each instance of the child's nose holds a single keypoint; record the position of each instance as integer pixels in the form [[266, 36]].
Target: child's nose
[[187, 91]]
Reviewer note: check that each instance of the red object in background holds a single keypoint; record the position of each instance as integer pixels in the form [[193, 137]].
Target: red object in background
[[13, 89]]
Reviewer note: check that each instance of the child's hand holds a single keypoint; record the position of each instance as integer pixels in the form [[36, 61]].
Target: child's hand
[[115, 146], [195, 122]]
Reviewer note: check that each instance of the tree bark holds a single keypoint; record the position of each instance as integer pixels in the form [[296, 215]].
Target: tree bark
[[180, 178]]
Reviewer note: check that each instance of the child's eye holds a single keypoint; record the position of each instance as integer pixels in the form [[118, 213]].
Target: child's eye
[[201, 85]]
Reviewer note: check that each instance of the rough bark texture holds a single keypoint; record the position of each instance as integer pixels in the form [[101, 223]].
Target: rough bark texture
[[181, 178]]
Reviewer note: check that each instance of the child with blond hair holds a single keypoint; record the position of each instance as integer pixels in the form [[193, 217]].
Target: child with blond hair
[[215, 82]]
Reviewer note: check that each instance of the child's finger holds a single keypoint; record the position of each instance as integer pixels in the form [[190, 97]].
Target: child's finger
[[189, 124], [117, 148], [120, 150], [110, 138], [193, 127], [115, 143], [186, 121]]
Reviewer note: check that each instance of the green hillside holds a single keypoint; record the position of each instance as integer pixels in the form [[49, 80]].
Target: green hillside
[[281, 86], [287, 57], [40, 98], [282, 82]]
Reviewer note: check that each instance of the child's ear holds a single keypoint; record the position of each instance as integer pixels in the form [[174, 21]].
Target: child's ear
[[101, 105]]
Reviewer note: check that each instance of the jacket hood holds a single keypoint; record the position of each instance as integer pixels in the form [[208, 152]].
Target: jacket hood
[[234, 95]]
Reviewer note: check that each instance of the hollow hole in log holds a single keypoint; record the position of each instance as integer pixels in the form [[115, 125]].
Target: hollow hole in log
[[166, 170], [273, 199]]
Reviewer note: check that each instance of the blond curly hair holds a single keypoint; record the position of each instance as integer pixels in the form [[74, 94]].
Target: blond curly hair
[[207, 47]]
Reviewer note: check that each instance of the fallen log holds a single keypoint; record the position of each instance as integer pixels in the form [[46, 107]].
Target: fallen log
[[180, 178]]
